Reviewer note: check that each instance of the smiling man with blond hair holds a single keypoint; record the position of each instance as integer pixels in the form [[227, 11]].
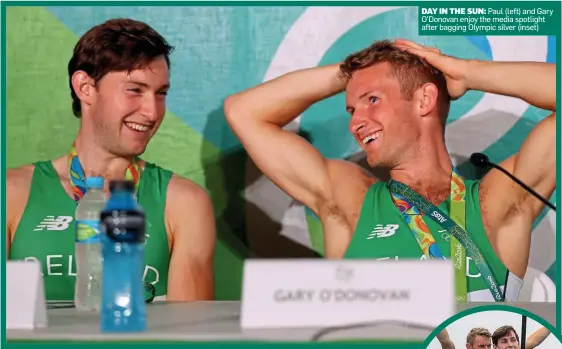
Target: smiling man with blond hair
[[398, 96]]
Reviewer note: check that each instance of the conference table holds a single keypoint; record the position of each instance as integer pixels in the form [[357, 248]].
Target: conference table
[[220, 321]]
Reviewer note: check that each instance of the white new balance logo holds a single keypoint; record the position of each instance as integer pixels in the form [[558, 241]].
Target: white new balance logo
[[381, 231], [50, 223]]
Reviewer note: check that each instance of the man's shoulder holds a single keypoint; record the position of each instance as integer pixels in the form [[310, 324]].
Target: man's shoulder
[[350, 182], [492, 188], [341, 169], [348, 165], [181, 189], [350, 174], [21, 170], [19, 177], [18, 186], [187, 201]]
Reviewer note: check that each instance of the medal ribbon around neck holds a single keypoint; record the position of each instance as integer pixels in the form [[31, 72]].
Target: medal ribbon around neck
[[78, 179], [408, 202]]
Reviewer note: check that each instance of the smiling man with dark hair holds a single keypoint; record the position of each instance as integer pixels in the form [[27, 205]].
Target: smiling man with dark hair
[[506, 337], [118, 77]]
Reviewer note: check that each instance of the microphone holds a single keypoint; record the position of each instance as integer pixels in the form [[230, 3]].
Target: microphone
[[481, 160]]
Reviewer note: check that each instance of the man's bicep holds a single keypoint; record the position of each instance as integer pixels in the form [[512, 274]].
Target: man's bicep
[[535, 165], [191, 274], [289, 161], [509, 210], [536, 338]]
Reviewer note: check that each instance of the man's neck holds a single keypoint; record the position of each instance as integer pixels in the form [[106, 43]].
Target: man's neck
[[96, 161], [428, 172]]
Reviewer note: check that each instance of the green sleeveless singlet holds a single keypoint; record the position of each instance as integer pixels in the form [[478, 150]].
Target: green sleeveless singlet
[[382, 233], [46, 231]]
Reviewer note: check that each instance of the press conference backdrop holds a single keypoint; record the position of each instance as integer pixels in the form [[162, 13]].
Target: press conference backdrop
[[222, 50], [492, 320]]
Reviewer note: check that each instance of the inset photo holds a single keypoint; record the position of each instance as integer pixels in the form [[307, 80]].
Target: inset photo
[[509, 328]]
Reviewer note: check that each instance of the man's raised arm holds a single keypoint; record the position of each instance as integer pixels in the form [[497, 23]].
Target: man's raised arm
[[257, 117], [533, 82], [536, 338], [508, 211], [535, 163], [509, 218], [444, 340]]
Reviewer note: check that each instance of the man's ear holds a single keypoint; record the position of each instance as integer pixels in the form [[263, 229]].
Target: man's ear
[[427, 97], [84, 86]]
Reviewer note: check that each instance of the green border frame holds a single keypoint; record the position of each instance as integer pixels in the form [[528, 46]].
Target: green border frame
[[53, 344], [205, 345], [3, 140]]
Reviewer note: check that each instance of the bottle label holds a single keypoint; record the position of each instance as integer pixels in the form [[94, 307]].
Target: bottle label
[[88, 231]]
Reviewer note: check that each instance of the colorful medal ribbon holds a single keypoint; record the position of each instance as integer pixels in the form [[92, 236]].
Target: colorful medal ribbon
[[410, 203], [78, 179]]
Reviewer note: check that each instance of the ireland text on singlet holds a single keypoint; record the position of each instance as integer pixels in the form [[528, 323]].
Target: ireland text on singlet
[[383, 234], [46, 231]]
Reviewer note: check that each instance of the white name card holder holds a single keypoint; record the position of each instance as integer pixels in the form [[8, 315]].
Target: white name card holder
[[307, 293], [25, 296]]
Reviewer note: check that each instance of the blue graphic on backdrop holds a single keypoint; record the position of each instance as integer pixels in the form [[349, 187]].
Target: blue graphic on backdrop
[[482, 43], [551, 53]]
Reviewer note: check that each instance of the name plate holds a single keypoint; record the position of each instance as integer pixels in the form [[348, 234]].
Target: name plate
[[321, 293], [25, 296]]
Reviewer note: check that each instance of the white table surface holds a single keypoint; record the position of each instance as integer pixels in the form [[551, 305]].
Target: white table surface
[[216, 321], [194, 321]]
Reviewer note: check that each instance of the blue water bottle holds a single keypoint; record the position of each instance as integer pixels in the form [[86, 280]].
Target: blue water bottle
[[123, 223]]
